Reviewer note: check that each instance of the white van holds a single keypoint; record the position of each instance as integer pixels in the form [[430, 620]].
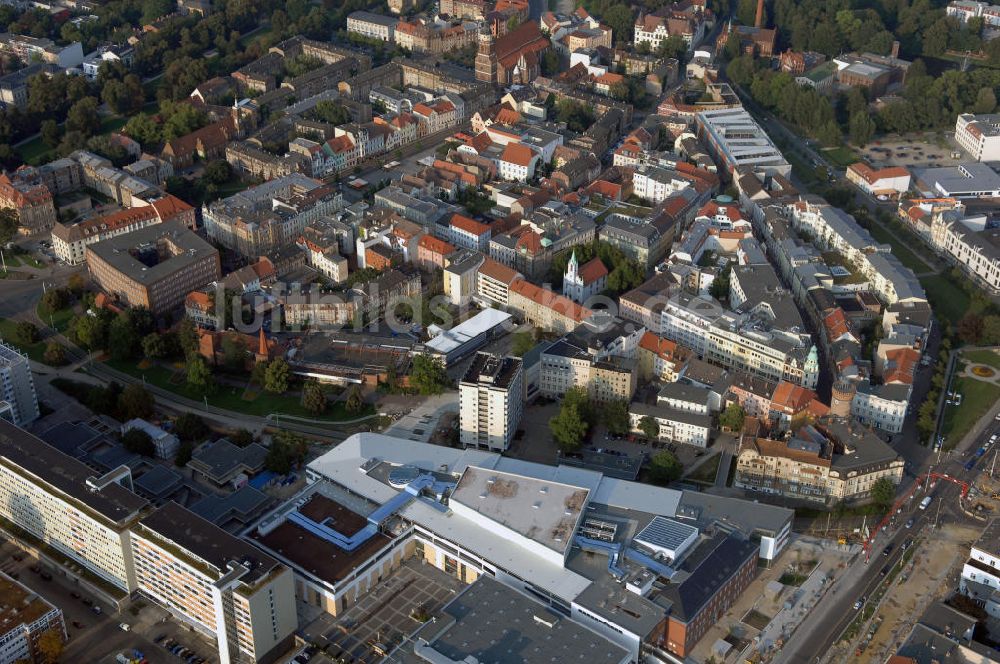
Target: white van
[[925, 502]]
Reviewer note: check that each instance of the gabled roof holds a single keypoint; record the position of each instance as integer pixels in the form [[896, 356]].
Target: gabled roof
[[517, 153], [498, 271], [592, 270], [436, 245], [470, 226]]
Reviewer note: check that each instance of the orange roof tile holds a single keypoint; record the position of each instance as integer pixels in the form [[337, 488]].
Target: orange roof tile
[[900, 364], [664, 348], [790, 397], [871, 176], [516, 153], [592, 270], [470, 226], [546, 298], [497, 271], [436, 245]]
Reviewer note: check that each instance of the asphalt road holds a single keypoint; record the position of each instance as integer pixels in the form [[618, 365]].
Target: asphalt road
[[823, 628]]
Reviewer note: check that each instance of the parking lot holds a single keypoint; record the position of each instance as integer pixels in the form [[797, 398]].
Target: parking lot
[[383, 618], [930, 153]]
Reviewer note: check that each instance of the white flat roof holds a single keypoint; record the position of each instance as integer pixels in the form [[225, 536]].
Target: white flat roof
[[483, 322]]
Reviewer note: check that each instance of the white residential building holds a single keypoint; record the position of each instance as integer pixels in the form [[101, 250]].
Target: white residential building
[[676, 426], [372, 26], [17, 387], [491, 400], [967, 242], [979, 135], [166, 444], [24, 617], [981, 573], [517, 162], [657, 184], [881, 406], [964, 10]]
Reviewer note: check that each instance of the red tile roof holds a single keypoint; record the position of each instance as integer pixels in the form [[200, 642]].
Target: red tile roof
[[470, 226], [664, 348], [790, 397], [498, 271], [899, 365], [436, 245], [516, 153], [546, 298], [592, 270], [871, 176]]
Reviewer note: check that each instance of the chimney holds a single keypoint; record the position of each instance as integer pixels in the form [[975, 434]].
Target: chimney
[[895, 49], [759, 21]]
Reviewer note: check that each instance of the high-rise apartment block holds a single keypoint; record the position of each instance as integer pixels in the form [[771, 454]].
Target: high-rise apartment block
[[491, 398], [17, 388]]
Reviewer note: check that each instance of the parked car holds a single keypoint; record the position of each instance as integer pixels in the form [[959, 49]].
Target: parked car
[[909, 523], [125, 627], [887, 550], [96, 609], [859, 603]]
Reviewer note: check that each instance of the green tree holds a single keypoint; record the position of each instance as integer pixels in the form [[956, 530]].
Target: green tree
[[154, 346], [122, 339], [135, 401], [621, 20], [187, 336], [568, 427], [51, 134], [55, 354], [355, 401], [986, 101], [90, 331], [184, 451], [144, 129], [234, 352], [240, 437], [76, 284], [199, 375], [862, 128], [428, 375], [191, 427], [50, 646], [25, 333], [286, 452], [664, 468], [218, 172], [883, 492], [522, 343], [56, 299], [649, 427], [276, 376], [139, 442], [314, 397], [732, 417], [8, 224], [83, 117], [615, 415], [331, 113]]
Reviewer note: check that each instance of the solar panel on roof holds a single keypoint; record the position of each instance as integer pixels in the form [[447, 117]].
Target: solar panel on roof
[[662, 533]]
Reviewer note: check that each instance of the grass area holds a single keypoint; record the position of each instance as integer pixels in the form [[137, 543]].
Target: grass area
[[905, 255], [35, 351], [233, 398], [59, 319], [261, 35], [842, 156], [987, 357], [110, 123], [947, 299], [35, 152], [706, 472], [977, 398], [20, 260]]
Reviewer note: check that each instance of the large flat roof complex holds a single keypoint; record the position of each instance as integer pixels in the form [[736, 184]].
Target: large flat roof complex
[[736, 140], [565, 533]]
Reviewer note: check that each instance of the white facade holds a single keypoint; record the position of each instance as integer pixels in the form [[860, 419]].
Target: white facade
[[976, 252], [574, 287], [657, 184], [17, 387], [675, 426], [879, 410], [979, 135], [491, 401], [372, 26]]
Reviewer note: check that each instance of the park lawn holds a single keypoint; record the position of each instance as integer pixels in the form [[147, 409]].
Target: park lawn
[[905, 255], [986, 357], [802, 169], [59, 319], [35, 351], [946, 298], [110, 123], [977, 398], [232, 398], [842, 156], [35, 152], [706, 472]]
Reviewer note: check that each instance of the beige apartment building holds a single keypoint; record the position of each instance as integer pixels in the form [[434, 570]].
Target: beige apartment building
[[155, 267], [830, 463]]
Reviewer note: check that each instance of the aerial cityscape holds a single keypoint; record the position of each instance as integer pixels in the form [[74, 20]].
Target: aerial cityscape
[[499, 332]]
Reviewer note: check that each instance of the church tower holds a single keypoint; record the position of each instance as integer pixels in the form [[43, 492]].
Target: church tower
[[486, 58], [572, 286]]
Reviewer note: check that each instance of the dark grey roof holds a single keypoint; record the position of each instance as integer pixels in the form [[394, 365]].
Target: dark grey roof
[[947, 620], [56, 472], [990, 539], [158, 481], [703, 508], [116, 251], [206, 541], [242, 504], [70, 437], [671, 414], [708, 567], [220, 458], [684, 392], [495, 623], [113, 457]]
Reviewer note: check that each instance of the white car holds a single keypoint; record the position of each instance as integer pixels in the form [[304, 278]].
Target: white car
[[125, 627], [858, 604]]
